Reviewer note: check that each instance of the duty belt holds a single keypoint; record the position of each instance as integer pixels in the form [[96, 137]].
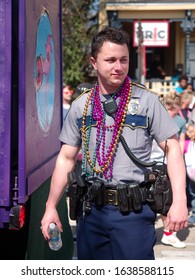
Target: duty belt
[[154, 191], [127, 197]]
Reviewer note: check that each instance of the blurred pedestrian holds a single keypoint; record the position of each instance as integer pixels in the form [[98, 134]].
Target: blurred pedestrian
[[191, 176], [186, 101], [156, 69], [183, 79], [67, 99], [189, 88], [173, 104]]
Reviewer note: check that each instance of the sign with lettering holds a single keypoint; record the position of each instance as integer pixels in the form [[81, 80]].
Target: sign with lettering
[[152, 33]]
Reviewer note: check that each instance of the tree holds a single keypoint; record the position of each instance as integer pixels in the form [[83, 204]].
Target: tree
[[78, 25]]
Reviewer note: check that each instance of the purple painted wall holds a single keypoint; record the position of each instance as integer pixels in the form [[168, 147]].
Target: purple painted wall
[[38, 145], [38, 148], [5, 106]]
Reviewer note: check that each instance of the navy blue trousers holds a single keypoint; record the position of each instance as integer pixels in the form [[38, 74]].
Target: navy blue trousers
[[106, 234]]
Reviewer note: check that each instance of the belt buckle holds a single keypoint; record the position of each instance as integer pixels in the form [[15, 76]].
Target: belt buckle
[[112, 197]]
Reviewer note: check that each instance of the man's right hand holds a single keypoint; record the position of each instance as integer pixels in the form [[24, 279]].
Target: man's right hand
[[50, 216]]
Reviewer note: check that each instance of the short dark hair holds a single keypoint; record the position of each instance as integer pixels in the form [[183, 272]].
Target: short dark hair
[[109, 34], [183, 77]]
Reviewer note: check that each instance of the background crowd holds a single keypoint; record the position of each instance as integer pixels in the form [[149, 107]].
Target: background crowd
[[182, 101]]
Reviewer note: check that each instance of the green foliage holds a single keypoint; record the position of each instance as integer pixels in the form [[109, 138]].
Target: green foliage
[[76, 38]]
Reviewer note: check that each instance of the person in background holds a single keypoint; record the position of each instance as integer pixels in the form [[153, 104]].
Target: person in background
[[156, 70], [67, 99], [177, 72], [186, 101], [191, 181], [189, 88], [111, 225], [183, 80], [172, 103]]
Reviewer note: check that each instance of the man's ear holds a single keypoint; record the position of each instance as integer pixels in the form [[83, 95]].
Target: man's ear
[[93, 62]]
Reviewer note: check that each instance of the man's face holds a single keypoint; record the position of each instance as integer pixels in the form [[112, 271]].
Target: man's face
[[112, 65]]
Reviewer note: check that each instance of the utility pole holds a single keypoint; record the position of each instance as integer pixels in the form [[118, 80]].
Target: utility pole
[[140, 52], [187, 24]]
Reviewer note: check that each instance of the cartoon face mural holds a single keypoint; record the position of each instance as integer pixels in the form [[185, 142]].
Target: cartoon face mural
[[44, 72]]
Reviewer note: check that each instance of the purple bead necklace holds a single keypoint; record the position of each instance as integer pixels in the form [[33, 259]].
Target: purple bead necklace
[[104, 158]]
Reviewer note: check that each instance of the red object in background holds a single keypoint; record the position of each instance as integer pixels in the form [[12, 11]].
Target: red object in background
[[22, 216]]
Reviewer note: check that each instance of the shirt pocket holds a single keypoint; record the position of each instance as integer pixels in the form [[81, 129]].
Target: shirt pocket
[[136, 132]]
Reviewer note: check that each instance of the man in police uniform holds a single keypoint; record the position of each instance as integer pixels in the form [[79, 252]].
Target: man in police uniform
[[116, 229]]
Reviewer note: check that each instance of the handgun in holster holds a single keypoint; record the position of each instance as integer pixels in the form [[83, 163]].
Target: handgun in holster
[[158, 191], [75, 194]]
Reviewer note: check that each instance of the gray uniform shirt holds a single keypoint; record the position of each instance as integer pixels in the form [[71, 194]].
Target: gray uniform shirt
[[146, 119]]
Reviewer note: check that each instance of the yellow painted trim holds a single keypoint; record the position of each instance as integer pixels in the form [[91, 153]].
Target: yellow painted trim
[[152, 15], [149, 7]]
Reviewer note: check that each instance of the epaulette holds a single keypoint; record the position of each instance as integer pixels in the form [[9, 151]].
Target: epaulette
[[139, 85], [84, 92], [144, 87]]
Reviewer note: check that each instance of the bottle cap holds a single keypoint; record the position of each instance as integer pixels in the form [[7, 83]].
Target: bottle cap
[[52, 225]]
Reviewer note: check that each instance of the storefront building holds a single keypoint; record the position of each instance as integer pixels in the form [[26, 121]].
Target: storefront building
[[172, 21]]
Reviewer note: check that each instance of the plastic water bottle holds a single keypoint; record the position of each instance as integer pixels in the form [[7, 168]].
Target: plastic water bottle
[[55, 241]]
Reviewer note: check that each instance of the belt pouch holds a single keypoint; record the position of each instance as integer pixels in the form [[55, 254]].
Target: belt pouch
[[99, 193], [73, 202], [123, 199], [135, 198]]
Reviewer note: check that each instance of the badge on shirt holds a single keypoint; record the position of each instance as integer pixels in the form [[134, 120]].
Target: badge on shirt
[[133, 106]]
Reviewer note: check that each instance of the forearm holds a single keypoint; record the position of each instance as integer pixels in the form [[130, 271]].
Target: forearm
[[58, 184], [178, 213], [177, 174], [64, 164]]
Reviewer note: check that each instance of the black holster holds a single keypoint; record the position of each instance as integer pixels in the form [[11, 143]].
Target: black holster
[[158, 191], [75, 193]]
